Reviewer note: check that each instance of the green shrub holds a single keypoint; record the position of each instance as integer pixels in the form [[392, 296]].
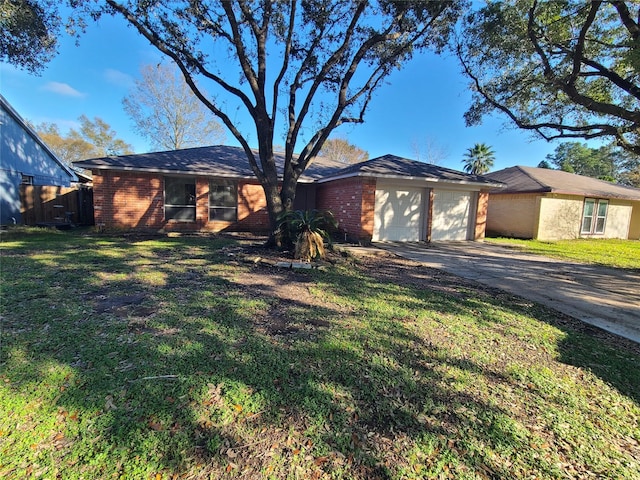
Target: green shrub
[[307, 231]]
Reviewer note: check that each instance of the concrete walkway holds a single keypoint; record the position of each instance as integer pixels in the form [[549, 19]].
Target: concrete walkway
[[604, 297]]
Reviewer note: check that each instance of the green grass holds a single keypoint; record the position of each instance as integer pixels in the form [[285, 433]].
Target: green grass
[[169, 358], [610, 253]]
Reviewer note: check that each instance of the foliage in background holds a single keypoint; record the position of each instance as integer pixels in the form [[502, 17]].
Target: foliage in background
[[479, 159], [95, 138], [605, 163], [165, 111], [566, 69], [341, 150], [429, 150], [308, 231]]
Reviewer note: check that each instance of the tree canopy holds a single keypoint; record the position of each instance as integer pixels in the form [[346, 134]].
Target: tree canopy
[[297, 69], [479, 159], [28, 33], [165, 111], [341, 150], [94, 138], [562, 69], [605, 163]]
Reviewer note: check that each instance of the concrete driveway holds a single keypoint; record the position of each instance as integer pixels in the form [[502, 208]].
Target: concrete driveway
[[604, 297]]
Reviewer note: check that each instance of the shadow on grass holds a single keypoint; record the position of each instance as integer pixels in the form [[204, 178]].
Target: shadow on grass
[[157, 357]]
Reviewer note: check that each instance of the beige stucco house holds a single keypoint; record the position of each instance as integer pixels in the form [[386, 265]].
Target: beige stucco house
[[547, 204]]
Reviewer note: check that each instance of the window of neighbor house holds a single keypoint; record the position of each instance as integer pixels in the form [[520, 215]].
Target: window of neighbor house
[[594, 216], [223, 200], [27, 179], [180, 199]]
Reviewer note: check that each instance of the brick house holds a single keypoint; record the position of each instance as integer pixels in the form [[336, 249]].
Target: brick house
[[213, 189], [547, 204]]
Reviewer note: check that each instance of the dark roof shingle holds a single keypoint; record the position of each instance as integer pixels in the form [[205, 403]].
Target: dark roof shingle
[[391, 166], [544, 180], [228, 161], [217, 160]]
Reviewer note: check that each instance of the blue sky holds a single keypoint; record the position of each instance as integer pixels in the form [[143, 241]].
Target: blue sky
[[422, 104]]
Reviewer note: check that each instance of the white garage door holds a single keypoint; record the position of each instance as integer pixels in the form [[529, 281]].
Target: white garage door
[[450, 215], [399, 215]]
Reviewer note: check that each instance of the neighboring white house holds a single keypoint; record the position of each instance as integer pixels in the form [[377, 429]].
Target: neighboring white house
[[547, 204], [24, 159]]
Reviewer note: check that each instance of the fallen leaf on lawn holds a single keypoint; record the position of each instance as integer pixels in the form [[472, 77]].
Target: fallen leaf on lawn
[[230, 467], [238, 407], [231, 453], [296, 451], [156, 426], [320, 461], [108, 403]]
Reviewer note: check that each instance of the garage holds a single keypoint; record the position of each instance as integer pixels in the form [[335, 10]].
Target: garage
[[451, 213], [395, 199], [399, 214]]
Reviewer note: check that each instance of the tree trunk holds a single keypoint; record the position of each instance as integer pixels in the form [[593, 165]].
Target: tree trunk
[[274, 210], [279, 201]]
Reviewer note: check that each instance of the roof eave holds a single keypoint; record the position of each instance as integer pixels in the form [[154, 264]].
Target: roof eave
[[16, 116], [163, 171], [410, 178]]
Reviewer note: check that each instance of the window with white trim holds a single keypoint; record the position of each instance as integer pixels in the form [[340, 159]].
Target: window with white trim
[[223, 200], [180, 199], [594, 216]]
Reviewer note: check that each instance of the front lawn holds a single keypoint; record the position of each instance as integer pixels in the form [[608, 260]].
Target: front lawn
[[610, 252], [177, 358]]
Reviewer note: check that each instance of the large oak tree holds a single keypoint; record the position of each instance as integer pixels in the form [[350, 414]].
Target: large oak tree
[[563, 69], [299, 69]]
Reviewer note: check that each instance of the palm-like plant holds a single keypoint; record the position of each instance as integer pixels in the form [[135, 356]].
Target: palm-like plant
[[479, 159], [308, 231]]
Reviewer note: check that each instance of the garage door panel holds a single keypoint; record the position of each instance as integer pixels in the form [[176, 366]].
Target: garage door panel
[[398, 214], [451, 213]]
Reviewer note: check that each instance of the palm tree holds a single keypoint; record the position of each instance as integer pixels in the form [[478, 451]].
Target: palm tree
[[479, 159]]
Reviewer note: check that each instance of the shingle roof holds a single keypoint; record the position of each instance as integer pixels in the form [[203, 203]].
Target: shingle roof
[[391, 166], [543, 180], [218, 160], [228, 161]]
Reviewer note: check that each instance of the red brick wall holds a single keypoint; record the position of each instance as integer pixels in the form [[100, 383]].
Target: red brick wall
[[134, 200], [127, 200], [481, 215], [352, 203]]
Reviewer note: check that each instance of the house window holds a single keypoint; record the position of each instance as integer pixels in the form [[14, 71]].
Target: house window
[[27, 179], [223, 200], [594, 216], [180, 199]]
